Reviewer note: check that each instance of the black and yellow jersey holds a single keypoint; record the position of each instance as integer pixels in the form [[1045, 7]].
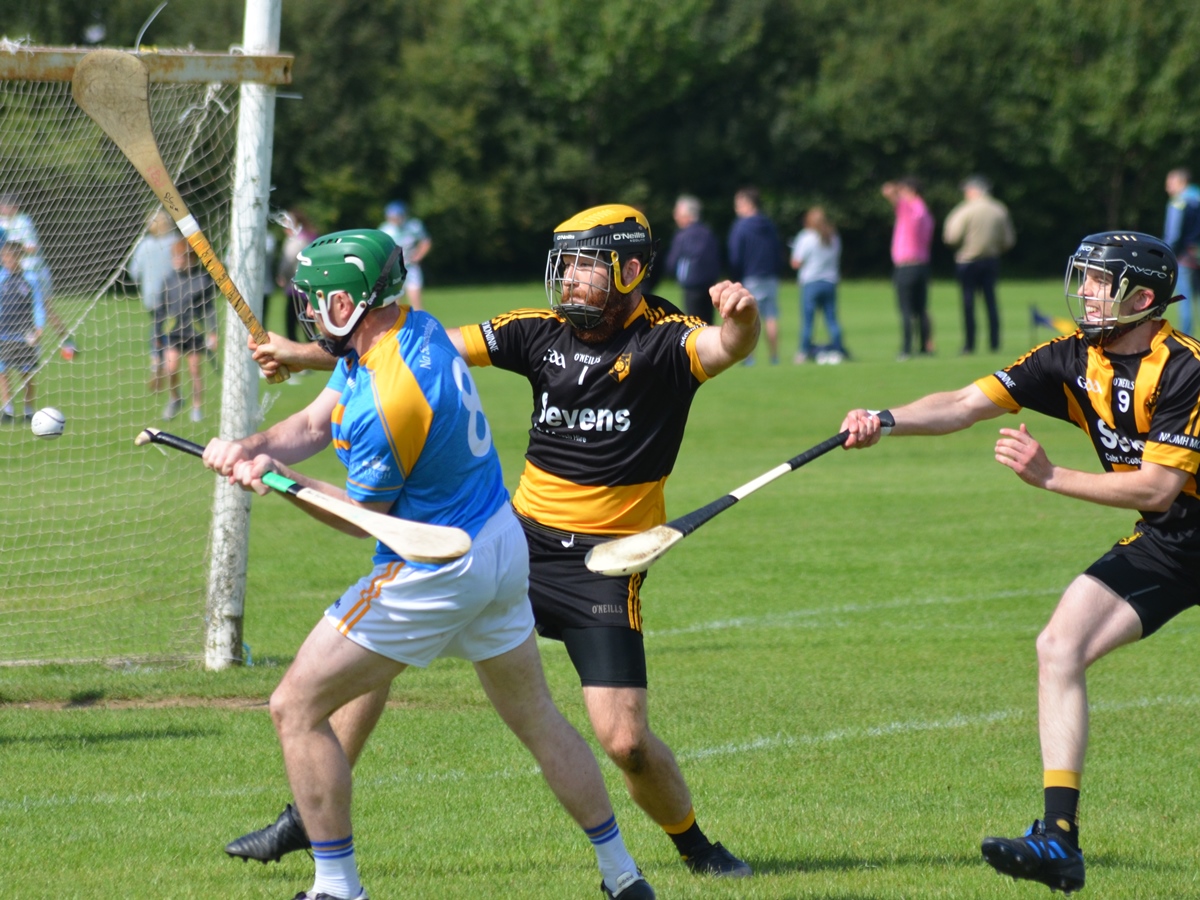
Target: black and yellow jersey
[[1143, 406], [608, 418]]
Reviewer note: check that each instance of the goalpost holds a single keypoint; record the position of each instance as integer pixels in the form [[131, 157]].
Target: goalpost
[[108, 551]]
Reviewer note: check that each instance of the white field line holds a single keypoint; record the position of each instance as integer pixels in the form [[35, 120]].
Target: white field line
[[754, 745], [797, 617], [916, 726]]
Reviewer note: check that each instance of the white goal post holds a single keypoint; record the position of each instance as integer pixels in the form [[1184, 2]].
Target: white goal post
[[110, 552]]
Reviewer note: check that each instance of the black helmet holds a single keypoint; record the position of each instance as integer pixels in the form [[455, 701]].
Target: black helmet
[[1125, 261]]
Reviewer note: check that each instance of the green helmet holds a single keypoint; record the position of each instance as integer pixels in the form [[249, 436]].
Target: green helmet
[[363, 262]]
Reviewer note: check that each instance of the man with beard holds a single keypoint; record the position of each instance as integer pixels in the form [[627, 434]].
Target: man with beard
[[613, 375]]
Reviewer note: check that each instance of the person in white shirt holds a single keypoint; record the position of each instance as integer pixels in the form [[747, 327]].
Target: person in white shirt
[[816, 257]]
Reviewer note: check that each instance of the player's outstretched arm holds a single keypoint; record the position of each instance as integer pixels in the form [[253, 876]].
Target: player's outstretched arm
[[941, 413], [720, 346], [296, 356]]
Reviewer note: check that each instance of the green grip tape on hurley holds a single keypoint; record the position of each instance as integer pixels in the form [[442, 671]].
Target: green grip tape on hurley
[[281, 483]]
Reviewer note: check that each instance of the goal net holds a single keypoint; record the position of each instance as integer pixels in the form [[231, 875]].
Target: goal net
[[103, 545]]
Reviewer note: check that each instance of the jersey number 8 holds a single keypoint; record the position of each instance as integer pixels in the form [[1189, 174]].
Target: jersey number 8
[[480, 444]]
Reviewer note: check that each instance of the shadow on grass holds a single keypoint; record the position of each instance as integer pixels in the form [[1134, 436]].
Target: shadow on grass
[[79, 741], [785, 866]]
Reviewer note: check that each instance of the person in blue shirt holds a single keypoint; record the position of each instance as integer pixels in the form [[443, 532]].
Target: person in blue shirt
[[694, 258], [22, 321], [413, 240], [755, 255], [1181, 232], [404, 417]]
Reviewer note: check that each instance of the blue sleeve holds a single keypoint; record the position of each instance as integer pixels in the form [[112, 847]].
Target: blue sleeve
[[673, 254], [1190, 229], [1171, 226]]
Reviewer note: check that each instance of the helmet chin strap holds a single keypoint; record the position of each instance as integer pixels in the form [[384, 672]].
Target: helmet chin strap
[[339, 345]]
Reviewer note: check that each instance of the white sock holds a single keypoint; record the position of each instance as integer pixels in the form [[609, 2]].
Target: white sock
[[611, 854], [337, 873]]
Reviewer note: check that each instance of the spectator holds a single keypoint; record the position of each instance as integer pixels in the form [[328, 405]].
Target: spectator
[[1181, 232], [19, 227], [694, 258], [410, 236], [22, 320], [270, 264], [755, 252], [981, 228], [816, 257], [298, 234], [912, 237], [189, 324], [151, 265]]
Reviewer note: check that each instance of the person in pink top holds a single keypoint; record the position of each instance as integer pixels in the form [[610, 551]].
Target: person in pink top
[[912, 237]]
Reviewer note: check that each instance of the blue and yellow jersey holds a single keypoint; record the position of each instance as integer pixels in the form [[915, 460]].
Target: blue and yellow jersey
[[608, 418], [1141, 406], [411, 431]]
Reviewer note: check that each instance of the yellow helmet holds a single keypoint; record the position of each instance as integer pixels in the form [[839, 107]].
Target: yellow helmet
[[609, 235]]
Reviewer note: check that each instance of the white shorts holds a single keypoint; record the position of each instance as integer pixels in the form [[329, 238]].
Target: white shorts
[[475, 608], [414, 278]]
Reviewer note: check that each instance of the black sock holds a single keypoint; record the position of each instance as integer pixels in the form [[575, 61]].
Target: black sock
[[690, 840], [1062, 813]]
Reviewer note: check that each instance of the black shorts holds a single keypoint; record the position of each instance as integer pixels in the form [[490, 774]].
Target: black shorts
[[598, 617], [184, 340], [1157, 572]]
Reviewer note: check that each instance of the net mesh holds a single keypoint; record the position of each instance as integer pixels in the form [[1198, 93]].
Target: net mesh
[[103, 545]]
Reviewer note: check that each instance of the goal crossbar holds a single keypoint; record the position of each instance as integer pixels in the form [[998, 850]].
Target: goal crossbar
[[19, 62]]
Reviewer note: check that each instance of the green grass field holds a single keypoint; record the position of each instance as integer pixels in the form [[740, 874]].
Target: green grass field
[[844, 665]]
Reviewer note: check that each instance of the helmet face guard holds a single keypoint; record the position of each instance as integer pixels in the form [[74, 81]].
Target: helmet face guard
[[1106, 272], [365, 263], [584, 267]]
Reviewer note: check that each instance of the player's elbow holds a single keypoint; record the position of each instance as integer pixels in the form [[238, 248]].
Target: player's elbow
[[1159, 501]]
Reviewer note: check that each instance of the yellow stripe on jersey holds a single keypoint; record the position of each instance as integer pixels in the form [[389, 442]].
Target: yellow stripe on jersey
[[659, 316], [477, 352], [1100, 375], [694, 358], [339, 412], [1170, 455], [997, 393], [472, 335], [406, 421], [1193, 346], [589, 509], [1075, 411], [1149, 379]]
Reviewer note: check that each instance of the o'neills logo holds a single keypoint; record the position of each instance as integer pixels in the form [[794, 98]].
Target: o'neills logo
[[621, 367], [586, 419]]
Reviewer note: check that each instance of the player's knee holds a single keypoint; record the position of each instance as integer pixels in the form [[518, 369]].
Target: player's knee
[[286, 709], [628, 751], [1057, 649]]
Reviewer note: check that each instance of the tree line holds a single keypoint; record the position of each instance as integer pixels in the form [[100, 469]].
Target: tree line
[[497, 119]]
